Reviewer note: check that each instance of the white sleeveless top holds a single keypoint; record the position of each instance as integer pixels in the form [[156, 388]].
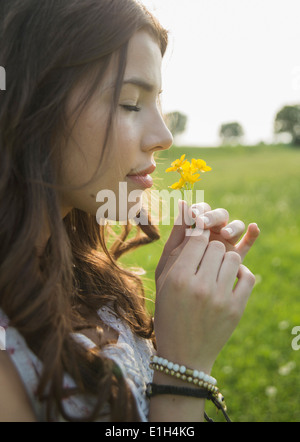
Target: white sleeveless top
[[131, 353]]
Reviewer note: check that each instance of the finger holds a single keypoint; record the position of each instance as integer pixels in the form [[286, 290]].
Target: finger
[[193, 251], [199, 209], [248, 240], [174, 255], [178, 232], [170, 262], [229, 271], [211, 263], [176, 237], [244, 286], [233, 231], [214, 220]]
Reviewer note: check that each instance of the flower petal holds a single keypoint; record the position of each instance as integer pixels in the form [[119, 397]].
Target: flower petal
[[171, 169]]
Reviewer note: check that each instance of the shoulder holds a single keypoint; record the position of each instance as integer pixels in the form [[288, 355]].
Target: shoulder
[[14, 402]]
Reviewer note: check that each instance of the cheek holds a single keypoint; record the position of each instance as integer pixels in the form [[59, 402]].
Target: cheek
[[90, 134], [128, 139], [82, 153]]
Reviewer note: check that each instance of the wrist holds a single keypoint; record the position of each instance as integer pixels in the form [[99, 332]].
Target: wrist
[[162, 379], [195, 364], [183, 373], [171, 379]]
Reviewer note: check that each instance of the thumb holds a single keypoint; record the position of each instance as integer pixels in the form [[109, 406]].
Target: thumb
[[178, 232], [176, 237]]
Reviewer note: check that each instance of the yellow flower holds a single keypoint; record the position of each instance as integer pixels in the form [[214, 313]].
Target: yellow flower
[[189, 173], [200, 166], [186, 178], [189, 178], [179, 185], [177, 164], [189, 168], [186, 167]]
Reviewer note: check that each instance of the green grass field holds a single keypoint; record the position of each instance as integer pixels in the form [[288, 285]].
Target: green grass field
[[258, 371]]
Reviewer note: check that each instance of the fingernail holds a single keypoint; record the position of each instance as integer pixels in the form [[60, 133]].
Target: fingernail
[[196, 212], [229, 230], [206, 221]]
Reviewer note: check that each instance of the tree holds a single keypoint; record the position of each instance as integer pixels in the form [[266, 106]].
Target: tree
[[176, 122], [288, 121], [231, 133]]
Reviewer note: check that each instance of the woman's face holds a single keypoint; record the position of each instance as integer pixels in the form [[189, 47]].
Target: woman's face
[[138, 131]]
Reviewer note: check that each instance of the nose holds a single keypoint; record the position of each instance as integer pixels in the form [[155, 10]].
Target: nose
[[158, 135]]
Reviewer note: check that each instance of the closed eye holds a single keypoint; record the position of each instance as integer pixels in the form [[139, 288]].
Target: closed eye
[[130, 108]]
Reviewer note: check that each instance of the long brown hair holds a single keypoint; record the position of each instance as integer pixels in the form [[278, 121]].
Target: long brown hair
[[47, 47]]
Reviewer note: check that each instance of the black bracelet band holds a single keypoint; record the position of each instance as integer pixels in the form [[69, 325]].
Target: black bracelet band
[[155, 390]]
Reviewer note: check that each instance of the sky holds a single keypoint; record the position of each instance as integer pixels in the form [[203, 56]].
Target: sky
[[229, 60]]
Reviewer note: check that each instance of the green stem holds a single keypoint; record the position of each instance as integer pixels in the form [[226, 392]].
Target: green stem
[[189, 194]]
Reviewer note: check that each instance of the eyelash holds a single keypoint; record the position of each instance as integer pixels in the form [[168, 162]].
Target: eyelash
[[129, 108]]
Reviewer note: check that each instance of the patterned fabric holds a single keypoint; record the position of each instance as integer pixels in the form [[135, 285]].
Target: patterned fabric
[[131, 353]]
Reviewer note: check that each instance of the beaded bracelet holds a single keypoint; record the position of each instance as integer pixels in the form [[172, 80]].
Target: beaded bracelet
[[199, 379]]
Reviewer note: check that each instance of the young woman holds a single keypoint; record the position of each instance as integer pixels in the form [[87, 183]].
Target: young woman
[[81, 114]]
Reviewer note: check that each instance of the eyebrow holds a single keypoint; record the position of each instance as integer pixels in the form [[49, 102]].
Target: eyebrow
[[140, 83]]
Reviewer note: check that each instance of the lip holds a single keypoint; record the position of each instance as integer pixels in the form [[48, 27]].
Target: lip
[[143, 178], [144, 172]]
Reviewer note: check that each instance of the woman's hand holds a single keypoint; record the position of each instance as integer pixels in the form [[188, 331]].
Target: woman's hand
[[197, 306], [227, 233], [217, 222]]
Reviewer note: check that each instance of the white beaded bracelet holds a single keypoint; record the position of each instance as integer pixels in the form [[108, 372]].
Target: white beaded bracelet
[[181, 371]]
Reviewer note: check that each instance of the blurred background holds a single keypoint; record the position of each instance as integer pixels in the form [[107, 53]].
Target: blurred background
[[230, 61], [231, 81]]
